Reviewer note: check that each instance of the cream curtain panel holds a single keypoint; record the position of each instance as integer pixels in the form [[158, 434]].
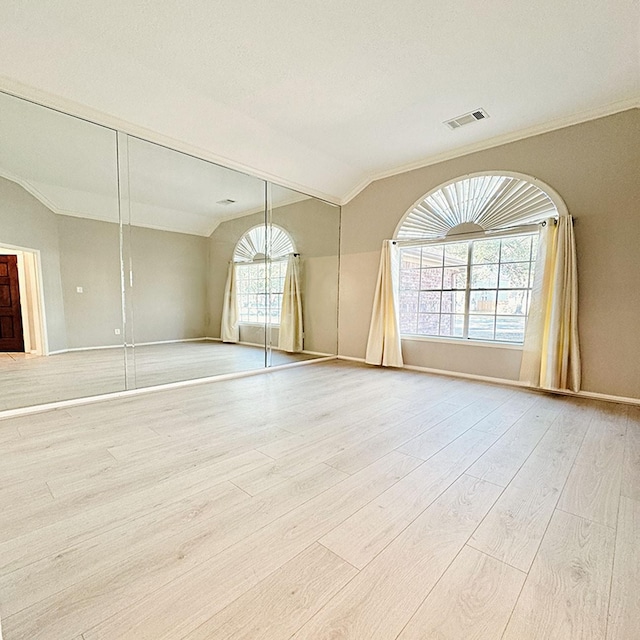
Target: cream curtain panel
[[230, 330], [384, 346], [291, 329], [551, 356]]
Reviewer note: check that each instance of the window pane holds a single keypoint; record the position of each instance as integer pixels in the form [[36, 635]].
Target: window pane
[[485, 251], [534, 246], [484, 276], [512, 302], [456, 253], [410, 258], [516, 249], [481, 327], [410, 279], [455, 278], [428, 324], [451, 325], [408, 307], [429, 301], [482, 302], [431, 279], [510, 329], [432, 256], [514, 275], [453, 302]]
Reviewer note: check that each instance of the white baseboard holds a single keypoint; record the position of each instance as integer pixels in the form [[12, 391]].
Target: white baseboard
[[512, 383]]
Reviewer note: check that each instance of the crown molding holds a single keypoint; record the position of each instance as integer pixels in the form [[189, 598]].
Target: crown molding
[[497, 141]]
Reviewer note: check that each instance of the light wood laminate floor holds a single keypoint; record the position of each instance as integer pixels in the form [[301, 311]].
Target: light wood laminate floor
[[323, 502], [26, 380]]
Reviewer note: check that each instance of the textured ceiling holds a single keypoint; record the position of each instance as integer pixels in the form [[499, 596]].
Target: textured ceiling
[[326, 95]]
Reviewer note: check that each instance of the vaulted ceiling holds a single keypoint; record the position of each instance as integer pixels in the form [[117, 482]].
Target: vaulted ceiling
[[325, 96]]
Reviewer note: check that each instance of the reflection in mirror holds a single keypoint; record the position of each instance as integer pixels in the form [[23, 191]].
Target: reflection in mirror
[[261, 257], [180, 208], [60, 278], [302, 276]]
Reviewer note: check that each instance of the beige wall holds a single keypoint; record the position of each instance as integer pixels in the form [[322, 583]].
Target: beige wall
[[169, 288], [90, 258], [314, 227], [169, 285], [595, 167]]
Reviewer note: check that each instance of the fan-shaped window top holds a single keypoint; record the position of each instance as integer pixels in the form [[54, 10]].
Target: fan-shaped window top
[[256, 243], [477, 203]]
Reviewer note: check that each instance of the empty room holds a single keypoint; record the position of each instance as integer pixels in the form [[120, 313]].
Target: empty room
[[319, 320]]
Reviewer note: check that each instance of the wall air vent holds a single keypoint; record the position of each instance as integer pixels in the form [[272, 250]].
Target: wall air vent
[[226, 202], [467, 118]]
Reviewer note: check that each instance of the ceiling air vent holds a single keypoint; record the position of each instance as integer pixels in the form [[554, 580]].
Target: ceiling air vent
[[226, 202], [467, 118]]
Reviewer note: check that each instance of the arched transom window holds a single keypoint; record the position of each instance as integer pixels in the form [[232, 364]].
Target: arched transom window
[[467, 258], [260, 281]]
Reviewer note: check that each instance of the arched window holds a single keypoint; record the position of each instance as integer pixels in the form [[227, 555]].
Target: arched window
[[260, 281], [467, 257]]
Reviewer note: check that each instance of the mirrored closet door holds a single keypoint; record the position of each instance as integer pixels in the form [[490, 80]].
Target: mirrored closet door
[[190, 311], [61, 324]]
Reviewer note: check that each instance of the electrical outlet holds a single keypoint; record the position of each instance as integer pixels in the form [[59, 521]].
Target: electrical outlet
[[116, 331], [79, 290]]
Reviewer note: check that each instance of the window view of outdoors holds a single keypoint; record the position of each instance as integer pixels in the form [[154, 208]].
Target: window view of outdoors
[[475, 289], [255, 303]]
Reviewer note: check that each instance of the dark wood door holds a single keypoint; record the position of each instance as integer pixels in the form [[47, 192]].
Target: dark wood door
[[11, 338]]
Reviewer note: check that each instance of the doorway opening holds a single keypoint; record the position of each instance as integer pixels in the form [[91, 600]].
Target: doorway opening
[[29, 305]]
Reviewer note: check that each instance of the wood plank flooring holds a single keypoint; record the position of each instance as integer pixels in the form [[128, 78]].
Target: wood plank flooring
[[334, 501]]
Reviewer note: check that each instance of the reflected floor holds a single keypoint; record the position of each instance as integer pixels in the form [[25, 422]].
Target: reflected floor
[[27, 380]]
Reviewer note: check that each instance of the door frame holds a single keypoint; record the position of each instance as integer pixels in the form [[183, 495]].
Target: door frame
[[31, 298]]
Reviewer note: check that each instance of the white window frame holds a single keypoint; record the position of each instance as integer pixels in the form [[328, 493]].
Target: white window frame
[[523, 230]]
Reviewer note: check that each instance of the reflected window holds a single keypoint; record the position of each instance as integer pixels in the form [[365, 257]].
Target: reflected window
[[261, 264]]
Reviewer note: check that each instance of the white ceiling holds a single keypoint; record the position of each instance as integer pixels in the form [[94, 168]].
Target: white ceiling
[[325, 95]]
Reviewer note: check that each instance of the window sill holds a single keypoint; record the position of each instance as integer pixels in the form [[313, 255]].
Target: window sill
[[461, 341]]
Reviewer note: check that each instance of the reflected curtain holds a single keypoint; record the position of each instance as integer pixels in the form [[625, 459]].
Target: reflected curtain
[[384, 346], [551, 355], [291, 330], [230, 330]]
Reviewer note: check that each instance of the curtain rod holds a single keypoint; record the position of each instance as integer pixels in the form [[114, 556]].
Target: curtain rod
[[475, 234]]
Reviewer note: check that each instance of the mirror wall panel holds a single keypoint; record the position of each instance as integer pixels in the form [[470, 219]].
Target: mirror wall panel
[[185, 217], [135, 265], [304, 249], [61, 318]]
